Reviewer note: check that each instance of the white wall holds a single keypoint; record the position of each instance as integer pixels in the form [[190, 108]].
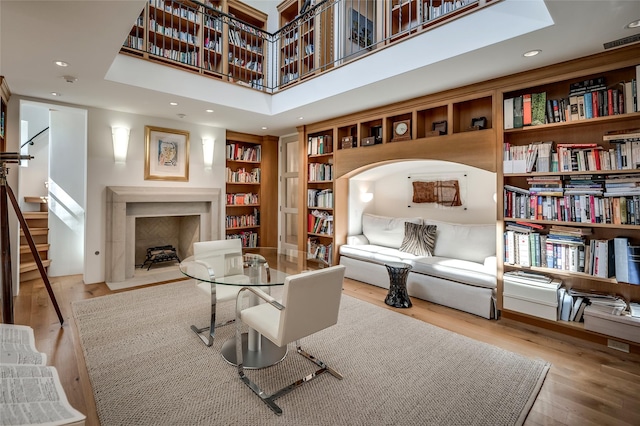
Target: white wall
[[391, 190], [67, 190], [103, 172], [36, 172]]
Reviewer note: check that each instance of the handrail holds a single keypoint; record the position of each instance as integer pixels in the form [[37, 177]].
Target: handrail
[[30, 141], [321, 37]]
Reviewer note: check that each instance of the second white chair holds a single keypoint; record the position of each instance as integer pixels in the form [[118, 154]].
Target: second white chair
[[217, 293]]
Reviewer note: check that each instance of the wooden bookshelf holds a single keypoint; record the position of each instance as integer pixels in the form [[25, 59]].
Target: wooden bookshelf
[[251, 189]]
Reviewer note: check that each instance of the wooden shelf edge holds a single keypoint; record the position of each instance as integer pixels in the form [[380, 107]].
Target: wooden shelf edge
[[576, 330], [575, 224]]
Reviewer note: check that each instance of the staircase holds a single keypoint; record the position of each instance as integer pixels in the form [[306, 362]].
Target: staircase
[[38, 223]]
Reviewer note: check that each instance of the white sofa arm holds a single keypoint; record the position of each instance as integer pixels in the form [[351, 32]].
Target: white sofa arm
[[491, 264], [357, 240]]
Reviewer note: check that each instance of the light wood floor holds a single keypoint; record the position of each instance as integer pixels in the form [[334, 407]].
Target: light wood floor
[[586, 385]]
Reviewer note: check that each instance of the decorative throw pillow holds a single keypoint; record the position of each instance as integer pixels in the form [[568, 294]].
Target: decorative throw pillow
[[419, 240]]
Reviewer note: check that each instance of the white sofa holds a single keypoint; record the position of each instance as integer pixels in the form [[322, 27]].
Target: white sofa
[[461, 273]]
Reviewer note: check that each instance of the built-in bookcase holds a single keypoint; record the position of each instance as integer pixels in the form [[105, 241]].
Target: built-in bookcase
[[219, 38], [320, 195], [251, 189], [565, 169]]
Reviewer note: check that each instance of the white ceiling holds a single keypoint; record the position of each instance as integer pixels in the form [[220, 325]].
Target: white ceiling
[[487, 44]]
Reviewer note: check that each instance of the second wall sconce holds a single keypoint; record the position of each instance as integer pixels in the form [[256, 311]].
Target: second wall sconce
[[207, 151]]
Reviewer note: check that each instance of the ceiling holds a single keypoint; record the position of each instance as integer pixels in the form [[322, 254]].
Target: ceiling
[[487, 44]]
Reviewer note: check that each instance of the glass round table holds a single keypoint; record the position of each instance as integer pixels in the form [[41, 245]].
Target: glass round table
[[252, 267]]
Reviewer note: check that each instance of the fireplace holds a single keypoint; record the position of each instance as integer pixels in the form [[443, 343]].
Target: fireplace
[[192, 214]]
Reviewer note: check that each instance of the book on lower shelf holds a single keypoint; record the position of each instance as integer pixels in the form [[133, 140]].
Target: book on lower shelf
[[32, 391]]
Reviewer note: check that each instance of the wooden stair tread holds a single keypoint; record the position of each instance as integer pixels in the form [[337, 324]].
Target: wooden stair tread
[[42, 199], [24, 248], [36, 231], [31, 266], [35, 215]]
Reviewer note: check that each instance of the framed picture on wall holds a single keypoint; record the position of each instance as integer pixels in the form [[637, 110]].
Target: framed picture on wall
[[166, 154]]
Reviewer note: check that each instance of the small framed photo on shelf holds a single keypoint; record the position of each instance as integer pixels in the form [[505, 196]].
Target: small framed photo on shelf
[[440, 127], [478, 123], [166, 154]]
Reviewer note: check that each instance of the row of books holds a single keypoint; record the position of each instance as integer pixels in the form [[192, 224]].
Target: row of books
[[240, 152], [248, 238], [322, 144], [317, 250], [240, 199], [320, 223], [571, 251], [172, 32], [593, 157], [586, 99], [242, 175], [322, 198], [244, 220], [213, 44], [433, 10], [320, 172], [189, 58], [572, 304], [176, 9], [585, 208]]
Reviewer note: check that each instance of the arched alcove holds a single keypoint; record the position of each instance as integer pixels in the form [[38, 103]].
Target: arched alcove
[[390, 186]]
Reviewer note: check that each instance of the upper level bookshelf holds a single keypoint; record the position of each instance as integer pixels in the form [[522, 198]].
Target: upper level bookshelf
[[218, 38], [4, 100]]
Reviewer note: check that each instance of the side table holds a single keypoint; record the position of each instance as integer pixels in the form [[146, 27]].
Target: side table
[[398, 296]]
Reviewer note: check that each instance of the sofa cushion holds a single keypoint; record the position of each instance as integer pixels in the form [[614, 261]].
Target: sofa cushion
[[418, 239], [386, 231], [462, 271], [464, 241], [374, 253]]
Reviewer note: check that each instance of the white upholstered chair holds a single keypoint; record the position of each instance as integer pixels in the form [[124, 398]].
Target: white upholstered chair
[[310, 303], [217, 265]]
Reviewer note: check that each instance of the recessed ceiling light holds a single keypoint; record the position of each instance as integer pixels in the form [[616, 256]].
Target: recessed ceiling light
[[56, 94], [173, 103], [634, 24], [531, 53], [61, 63], [182, 115], [264, 127], [300, 118], [209, 110]]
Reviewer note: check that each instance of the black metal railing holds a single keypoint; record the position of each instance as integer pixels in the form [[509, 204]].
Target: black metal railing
[[326, 35]]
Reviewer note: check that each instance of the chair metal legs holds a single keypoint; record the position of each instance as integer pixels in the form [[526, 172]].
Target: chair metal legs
[[207, 338], [270, 399]]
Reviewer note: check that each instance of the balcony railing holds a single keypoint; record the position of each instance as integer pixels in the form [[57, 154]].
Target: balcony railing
[[235, 47]]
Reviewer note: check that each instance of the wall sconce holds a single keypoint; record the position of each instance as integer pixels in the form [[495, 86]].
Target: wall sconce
[[365, 197], [120, 137], [207, 151]]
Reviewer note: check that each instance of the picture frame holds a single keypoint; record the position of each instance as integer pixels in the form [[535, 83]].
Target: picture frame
[[479, 122], [166, 154], [440, 127]]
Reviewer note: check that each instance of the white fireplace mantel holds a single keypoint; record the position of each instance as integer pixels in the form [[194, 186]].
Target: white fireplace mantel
[[126, 203]]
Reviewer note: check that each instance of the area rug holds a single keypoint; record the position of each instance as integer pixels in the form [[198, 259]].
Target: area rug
[[148, 368]]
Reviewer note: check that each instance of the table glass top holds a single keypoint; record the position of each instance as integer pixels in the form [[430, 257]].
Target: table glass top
[[261, 266]]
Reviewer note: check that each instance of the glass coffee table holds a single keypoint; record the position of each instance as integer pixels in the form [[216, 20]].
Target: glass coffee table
[[253, 267]]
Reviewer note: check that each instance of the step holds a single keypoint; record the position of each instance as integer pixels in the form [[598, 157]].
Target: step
[[32, 266], [24, 248], [39, 200], [30, 275], [35, 215]]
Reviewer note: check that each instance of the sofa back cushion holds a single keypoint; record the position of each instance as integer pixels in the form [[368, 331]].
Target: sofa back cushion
[[464, 241], [386, 231]]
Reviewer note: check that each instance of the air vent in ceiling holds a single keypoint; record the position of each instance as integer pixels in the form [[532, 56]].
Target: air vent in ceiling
[[622, 41]]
